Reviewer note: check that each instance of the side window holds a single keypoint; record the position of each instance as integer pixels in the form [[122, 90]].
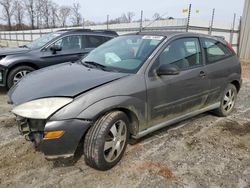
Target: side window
[[70, 42], [105, 39], [95, 41], [215, 50], [184, 52]]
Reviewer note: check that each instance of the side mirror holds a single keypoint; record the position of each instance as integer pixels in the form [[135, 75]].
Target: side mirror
[[55, 49], [168, 69]]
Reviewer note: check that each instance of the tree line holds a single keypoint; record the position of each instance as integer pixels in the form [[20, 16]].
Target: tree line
[[35, 14]]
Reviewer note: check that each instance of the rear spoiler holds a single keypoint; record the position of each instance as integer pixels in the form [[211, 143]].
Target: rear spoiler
[[228, 45], [220, 37]]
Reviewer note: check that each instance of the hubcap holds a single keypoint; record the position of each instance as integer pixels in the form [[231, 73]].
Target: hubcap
[[115, 141], [229, 100], [20, 75]]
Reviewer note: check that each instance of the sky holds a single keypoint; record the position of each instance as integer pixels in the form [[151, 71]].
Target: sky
[[97, 10]]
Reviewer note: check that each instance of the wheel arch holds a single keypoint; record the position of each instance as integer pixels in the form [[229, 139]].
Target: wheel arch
[[132, 107], [132, 117], [21, 64], [237, 84], [18, 65], [34, 66]]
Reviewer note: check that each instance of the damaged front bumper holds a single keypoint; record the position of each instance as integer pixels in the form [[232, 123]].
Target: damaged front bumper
[[3, 76], [61, 147]]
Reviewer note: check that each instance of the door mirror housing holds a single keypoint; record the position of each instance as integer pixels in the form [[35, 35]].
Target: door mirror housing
[[55, 49], [167, 69]]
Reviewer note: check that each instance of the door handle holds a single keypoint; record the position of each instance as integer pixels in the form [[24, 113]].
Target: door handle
[[202, 74]]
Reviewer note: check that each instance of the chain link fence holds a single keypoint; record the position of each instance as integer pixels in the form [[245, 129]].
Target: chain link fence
[[225, 30]]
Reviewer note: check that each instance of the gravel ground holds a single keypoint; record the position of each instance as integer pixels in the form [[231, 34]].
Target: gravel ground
[[205, 151]]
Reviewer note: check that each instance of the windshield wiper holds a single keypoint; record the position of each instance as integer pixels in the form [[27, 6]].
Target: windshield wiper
[[97, 65], [91, 64]]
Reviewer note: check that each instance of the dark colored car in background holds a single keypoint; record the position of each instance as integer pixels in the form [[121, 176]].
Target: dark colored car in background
[[51, 49], [125, 89]]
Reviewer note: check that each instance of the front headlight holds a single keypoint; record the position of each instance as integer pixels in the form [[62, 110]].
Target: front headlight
[[41, 108]]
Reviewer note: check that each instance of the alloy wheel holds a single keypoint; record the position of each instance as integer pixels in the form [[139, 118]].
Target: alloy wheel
[[115, 141], [18, 76], [229, 100]]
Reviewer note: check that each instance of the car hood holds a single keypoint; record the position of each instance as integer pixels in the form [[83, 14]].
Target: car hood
[[63, 80], [13, 51]]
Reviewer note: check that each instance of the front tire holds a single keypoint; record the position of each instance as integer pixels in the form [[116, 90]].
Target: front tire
[[17, 74], [106, 141], [228, 101]]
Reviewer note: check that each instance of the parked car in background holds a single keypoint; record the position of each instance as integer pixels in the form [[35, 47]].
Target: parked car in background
[[125, 89], [51, 49]]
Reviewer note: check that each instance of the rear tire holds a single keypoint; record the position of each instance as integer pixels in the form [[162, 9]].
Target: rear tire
[[17, 74], [106, 141], [228, 101]]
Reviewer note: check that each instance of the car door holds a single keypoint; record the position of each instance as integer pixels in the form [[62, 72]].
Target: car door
[[171, 96], [71, 50], [218, 65]]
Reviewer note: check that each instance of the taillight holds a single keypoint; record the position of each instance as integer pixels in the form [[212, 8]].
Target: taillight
[[230, 46]]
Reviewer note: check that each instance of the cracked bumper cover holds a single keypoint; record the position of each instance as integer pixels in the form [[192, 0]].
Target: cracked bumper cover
[[64, 146]]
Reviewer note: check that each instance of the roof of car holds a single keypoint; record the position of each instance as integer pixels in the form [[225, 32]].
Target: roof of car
[[106, 32], [170, 34], [161, 33]]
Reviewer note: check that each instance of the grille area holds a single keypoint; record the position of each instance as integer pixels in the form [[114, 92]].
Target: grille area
[[32, 129]]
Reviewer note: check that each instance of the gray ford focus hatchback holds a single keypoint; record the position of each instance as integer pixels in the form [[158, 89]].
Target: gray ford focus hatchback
[[123, 90]]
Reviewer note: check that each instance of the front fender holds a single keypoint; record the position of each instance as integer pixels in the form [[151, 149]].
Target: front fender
[[10, 63], [134, 105]]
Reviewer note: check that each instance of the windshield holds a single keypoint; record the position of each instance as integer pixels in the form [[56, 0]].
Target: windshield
[[125, 53], [40, 42]]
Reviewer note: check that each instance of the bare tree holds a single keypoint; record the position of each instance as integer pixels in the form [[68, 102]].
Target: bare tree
[[76, 15], [156, 16], [31, 9], [64, 14], [126, 18], [19, 13], [123, 18], [115, 21], [8, 11], [54, 14], [130, 16], [39, 13], [46, 5]]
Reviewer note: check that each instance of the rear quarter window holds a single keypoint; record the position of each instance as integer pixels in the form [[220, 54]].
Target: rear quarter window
[[215, 51]]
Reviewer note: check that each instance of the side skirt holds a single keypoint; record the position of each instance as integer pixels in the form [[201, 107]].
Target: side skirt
[[176, 120]]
